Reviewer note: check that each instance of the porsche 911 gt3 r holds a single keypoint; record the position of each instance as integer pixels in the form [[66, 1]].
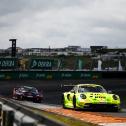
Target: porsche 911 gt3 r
[[90, 96]]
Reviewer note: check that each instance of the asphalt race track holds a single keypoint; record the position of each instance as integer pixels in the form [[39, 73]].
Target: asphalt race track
[[52, 89]]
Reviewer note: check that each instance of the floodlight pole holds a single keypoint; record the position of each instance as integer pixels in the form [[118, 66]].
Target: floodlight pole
[[13, 49]]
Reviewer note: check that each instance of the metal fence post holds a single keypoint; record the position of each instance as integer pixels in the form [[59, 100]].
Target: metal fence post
[[0, 114], [8, 118]]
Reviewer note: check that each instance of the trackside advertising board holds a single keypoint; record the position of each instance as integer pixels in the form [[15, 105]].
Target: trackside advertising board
[[45, 64], [49, 75], [8, 63]]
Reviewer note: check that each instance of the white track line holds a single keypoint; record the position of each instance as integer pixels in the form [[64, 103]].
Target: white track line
[[112, 124]]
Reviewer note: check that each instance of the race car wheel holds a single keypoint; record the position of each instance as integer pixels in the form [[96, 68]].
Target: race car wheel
[[21, 97], [63, 102], [74, 102], [15, 97], [37, 101]]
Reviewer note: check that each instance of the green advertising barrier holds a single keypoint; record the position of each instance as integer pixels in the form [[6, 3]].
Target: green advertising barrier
[[48, 75], [8, 63]]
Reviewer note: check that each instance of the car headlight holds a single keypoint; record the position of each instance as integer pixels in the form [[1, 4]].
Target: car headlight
[[115, 97], [83, 96]]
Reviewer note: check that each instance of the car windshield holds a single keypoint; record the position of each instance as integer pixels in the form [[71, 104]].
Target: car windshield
[[30, 89], [91, 89]]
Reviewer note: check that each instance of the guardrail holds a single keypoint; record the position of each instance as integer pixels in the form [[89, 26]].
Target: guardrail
[[14, 114]]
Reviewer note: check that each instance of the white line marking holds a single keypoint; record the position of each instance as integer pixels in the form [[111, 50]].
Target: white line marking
[[112, 124]]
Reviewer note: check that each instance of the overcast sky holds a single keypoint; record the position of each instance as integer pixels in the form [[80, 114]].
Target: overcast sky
[[60, 23]]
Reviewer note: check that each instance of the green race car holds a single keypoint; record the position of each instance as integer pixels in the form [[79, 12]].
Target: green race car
[[90, 96]]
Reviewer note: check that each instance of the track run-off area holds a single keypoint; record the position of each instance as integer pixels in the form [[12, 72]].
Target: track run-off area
[[52, 91], [97, 117]]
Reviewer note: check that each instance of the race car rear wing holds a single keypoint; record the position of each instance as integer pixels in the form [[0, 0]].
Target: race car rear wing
[[67, 87]]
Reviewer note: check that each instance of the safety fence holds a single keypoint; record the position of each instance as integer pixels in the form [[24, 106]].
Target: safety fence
[[13, 114]]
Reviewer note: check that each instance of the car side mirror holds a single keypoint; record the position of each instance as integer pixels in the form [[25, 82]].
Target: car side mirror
[[15, 89], [109, 91], [72, 91]]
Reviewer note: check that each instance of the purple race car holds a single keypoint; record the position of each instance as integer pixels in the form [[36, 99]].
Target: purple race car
[[27, 93]]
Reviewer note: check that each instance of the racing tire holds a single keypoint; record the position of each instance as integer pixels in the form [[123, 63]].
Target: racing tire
[[20, 97], [74, 102], [37, 101]]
